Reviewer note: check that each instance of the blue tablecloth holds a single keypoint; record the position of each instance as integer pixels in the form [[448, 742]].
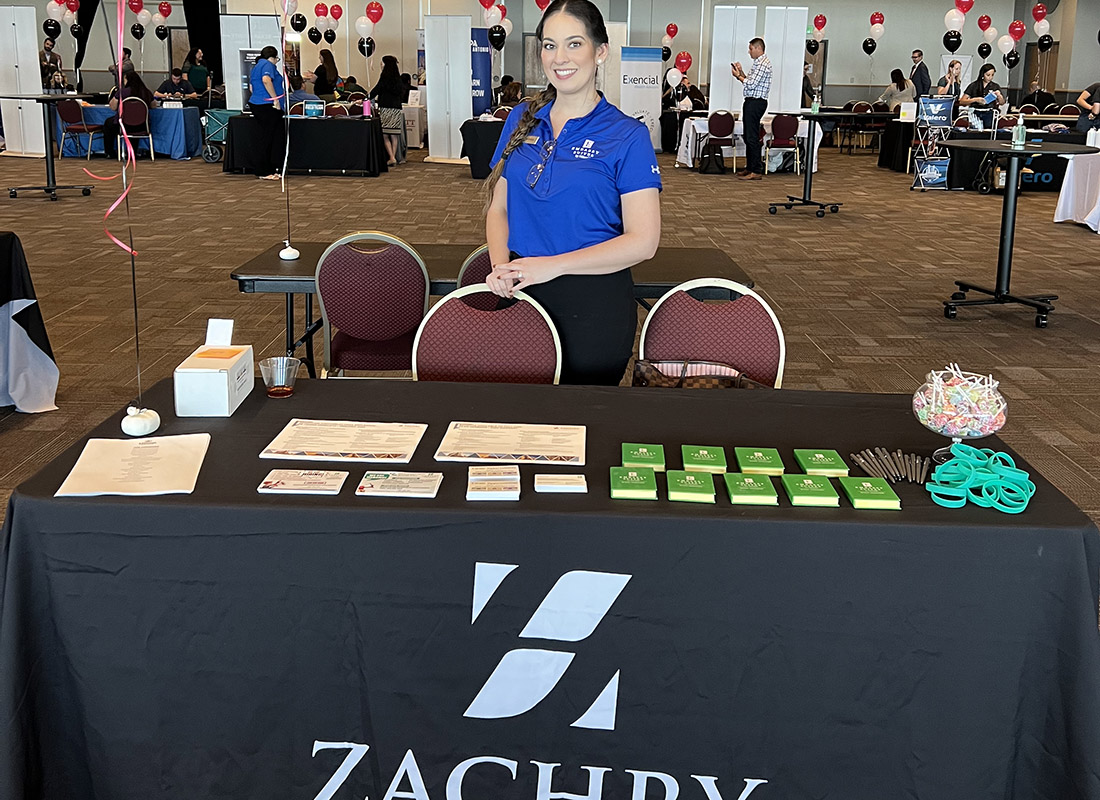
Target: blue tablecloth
[[177, 132]]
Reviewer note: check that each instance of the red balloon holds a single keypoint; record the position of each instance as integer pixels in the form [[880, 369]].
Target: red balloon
[[73, 5], [321, 10], [683, 61], [964, 5], [165, 9], [877, 18], [374, 11], [1039, 12], [503, 10], [672, 30], [135, 5], [335, 12], [984, 22], [1017, 30], [819, 22], [486, 4], [542, 4]]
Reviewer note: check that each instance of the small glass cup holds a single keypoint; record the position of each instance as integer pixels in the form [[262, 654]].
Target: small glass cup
[[279, 374]]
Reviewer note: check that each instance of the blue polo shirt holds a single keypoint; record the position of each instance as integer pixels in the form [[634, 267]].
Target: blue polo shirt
[[576, 201], [256, 82]]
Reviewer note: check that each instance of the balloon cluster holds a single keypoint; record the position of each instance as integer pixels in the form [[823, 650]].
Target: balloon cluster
[[666, 41], [875, 33], [496, 20], [145, 17], [325, 21], [1042, 28], [364, 26], [813, 44], [62, 12], [989, 35]]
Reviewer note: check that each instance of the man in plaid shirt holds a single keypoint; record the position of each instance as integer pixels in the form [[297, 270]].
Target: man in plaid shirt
[[758, 83]]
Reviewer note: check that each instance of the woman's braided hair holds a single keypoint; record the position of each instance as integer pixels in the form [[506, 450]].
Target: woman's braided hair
[[586, 12]]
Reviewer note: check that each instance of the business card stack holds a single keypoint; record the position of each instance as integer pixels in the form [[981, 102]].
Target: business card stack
[[424, 485], [493, 482], [750, 490], [870, 493], [690, 487], [704, 458], [302, 481], [759, 460], [561, 484], [644, 455], [810, 490], [633, 483], [821, 462]]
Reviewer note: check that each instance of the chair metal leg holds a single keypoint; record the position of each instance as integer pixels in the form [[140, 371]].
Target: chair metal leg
[[152, 153]]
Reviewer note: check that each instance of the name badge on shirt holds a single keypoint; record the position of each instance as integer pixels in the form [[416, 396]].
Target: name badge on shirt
[[531, 140]]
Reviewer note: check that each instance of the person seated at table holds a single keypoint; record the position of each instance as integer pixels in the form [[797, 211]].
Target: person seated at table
[[127, 63], [132, 86], [196, 72], [901, 90], [983, 95], [1089, 103], [298, 93], [325, 77], [511, 95], [951, 83], [176, 87], [58, 84], [350, 85], [684, 91], [387, 93], [1037, 97], [505, 82], [407, 85]]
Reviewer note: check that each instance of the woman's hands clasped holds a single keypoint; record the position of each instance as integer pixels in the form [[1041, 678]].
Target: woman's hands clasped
[[507, 279]]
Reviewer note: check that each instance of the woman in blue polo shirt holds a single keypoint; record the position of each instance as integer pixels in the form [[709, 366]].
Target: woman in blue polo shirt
[[574, 200], [265, 101]]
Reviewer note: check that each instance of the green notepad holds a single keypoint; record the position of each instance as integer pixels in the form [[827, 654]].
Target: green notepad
[[690, 487], [810, 490], [759, 460], [633, 483], [751, 490], [703, 458], [821, 462], [644, 455], [870, 493]]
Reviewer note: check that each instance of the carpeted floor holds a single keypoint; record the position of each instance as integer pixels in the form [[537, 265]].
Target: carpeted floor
[[859, 293]]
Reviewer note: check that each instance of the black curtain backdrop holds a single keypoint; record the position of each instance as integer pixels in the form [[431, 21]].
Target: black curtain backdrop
[[204, 31], [85, 16]]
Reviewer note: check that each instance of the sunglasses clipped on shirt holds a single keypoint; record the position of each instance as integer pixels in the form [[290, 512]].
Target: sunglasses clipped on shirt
[[544, 157]]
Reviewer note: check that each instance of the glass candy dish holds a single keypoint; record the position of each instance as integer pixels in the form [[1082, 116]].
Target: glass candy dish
[[959, 405]]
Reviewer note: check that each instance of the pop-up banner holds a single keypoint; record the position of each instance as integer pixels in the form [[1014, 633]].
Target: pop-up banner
[[641, 88], [481, 63]]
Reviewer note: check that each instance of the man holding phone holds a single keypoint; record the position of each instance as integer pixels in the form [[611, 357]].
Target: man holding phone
[[758, 83]]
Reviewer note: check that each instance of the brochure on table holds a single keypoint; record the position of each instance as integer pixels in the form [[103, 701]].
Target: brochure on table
[[150, 466], [512, 443], [344, 440]]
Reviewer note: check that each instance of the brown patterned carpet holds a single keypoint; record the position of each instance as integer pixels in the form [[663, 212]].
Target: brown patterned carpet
[[859, 293]]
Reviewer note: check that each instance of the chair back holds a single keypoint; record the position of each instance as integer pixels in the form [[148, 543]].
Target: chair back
[[962, 121], [502, 112], [357, 96], [743, 332], [720, 125], [1006, 122], [1051, 109], [862, 107], [298, 109], [517, 343], [1070, 110], [134, 114], [70, 112], [371, 286], [1029, 108], [880, 107], [784, 130], [475, 269], [335, 110], [849, 105], [355, 109]]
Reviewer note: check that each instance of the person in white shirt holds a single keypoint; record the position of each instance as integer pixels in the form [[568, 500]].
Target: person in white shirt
[[899, 91], [758, 84]]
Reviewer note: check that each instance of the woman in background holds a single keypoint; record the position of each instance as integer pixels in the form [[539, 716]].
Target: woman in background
[[901, 90], [389, 94], [265, 102], [325, 77], [951, 83], [132, 86], [195, 71], [983, 95]]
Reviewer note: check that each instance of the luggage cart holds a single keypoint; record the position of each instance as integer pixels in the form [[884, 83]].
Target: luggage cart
[[215, 126]]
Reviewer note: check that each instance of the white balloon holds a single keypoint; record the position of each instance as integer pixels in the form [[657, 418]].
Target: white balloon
[[989, 35], [159, 20], [144, 16], [320, 23], [69, 18], [877, 30], [55, 11], [492, 16], [1006, 44], [673, 77], [507, 24], [1042, 27], [291, 7], [953, 20], [819, 34], [364, 27], [666, 41]]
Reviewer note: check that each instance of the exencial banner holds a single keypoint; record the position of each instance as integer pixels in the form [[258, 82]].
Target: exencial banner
[[641, 88]]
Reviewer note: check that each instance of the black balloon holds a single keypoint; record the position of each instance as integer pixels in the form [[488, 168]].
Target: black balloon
[[1011, 59], [1046, 41], [984, 49], [161, 32], [137, 30], [52, 28], [812, 46], [330, 35], [666, 53], [869, 45], [497, 35], [314, 35], [366, 46], [77, 30], [952, 40], [298, 22]]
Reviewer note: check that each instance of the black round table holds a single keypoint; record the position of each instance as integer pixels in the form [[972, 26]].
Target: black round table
[[48, 101], [1042, 303]]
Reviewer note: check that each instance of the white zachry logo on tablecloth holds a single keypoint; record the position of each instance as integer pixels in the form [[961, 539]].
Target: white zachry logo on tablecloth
[[570, 612]]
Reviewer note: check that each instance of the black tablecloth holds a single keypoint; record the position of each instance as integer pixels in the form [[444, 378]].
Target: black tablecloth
[[1048, 172], [211, 645], [326, 144], [28, 373], [896, 141], [479, 142]]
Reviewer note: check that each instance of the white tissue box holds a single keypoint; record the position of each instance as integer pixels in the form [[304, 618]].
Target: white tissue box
[[214, 380]]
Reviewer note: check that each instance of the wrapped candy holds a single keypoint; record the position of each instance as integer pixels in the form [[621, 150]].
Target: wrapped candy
[[961, 405]]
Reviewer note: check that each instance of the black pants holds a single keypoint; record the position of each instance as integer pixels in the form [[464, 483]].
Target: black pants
[[268, 156], [751, 114]]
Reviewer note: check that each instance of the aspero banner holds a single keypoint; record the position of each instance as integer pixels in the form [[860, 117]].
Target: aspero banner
[[641, 88]]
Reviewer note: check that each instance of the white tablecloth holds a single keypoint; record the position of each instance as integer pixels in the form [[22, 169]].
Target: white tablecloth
[[695, 131], [1079, 200]]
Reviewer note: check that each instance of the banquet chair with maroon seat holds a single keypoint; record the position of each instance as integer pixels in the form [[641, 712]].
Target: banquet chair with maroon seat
[[335, 110], [720, 127], [515, 343], [135, 116], [298, 109], [475, 269], [502, 112], [784, 139], [373, 290], [1069, 110], [743, 332], [72, 114], [1029, 108]]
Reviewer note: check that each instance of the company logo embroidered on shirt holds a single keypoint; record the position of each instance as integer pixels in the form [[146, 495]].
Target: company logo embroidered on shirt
[[586, 150]]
